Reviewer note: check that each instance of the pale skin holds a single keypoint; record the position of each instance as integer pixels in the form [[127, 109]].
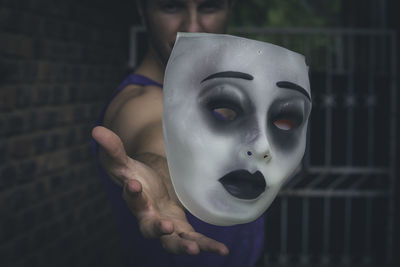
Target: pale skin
[[132, 145]]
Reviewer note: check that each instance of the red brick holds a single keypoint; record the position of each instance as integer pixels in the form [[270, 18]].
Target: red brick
[[44, 70], [41, 95], [7, 98], [47, 79], [16, 45], [21, 147], [52, 162]]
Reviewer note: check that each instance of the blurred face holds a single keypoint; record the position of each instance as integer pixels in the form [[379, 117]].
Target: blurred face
[[164, 18], [235, 123]]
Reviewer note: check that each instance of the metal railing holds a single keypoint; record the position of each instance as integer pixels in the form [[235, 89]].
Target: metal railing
[[339, 210]]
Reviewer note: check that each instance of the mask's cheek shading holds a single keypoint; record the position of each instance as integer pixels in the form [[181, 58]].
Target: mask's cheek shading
[[293, 114], [242, 128], [284, 141], [227, 116]]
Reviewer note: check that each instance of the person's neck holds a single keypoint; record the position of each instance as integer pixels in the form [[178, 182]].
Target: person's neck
[[151, 67]]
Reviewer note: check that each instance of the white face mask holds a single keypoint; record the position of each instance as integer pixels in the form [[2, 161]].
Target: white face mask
[[235, 122]]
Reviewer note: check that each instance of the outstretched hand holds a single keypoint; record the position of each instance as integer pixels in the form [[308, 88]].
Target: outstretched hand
[[158, 213]]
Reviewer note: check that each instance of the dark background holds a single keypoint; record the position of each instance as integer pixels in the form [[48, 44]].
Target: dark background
[[59, 62]]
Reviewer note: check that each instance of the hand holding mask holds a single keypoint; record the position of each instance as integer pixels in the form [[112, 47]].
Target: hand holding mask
[[235, 122]]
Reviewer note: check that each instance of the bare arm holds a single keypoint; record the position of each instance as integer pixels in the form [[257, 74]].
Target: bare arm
[[134, 157]]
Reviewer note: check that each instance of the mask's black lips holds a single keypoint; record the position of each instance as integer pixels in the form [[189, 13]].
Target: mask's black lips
[[242, 184]]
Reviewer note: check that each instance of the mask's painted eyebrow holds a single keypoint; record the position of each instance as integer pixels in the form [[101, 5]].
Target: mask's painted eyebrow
[[229, 74], [293, 86]]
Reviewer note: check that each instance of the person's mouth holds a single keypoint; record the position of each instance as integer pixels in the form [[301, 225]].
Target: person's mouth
[[243, 184]]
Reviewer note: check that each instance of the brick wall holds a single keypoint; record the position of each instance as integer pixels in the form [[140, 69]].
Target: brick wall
[[59, 61]]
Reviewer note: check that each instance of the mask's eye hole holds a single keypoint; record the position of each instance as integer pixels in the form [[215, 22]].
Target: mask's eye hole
[[284, 124], [225, 114]]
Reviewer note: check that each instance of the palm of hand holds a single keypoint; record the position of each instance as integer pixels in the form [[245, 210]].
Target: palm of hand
[[156, 208]]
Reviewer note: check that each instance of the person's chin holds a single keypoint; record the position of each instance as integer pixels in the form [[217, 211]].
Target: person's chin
[[171, 45]]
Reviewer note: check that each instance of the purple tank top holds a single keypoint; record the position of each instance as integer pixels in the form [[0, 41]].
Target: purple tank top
[[244, 241]]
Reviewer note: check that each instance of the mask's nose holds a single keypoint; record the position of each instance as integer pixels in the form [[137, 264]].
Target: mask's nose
[[260, 149]]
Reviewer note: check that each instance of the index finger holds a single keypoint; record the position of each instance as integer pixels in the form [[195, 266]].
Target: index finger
[[205, 243]]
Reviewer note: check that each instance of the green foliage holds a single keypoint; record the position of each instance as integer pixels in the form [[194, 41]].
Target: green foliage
[[290, 14], [286, 13]]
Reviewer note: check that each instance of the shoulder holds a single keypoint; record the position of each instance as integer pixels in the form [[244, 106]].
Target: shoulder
[[134, 100], [135, 115]]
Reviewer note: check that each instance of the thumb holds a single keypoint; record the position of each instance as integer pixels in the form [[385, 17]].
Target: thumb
[[112, 145]]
